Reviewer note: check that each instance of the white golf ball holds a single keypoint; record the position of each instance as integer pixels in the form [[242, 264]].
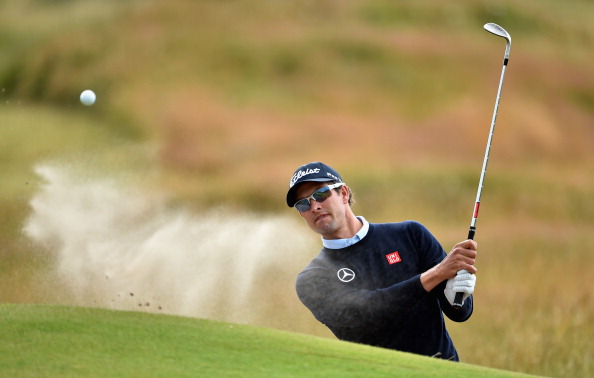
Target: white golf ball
[[88, 97]]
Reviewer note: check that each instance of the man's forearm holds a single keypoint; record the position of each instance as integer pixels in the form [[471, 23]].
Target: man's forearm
[[431, 278]]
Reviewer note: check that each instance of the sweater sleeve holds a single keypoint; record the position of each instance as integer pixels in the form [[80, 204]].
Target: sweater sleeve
[[337, 304], [456, 315]]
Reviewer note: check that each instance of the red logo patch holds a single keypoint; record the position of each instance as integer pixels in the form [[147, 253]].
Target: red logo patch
[[393, 258]]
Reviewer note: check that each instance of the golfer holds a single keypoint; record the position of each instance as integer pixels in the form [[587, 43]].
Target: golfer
[[386, 285]]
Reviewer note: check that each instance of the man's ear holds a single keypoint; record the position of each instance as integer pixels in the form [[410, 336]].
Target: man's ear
[[344, 192]]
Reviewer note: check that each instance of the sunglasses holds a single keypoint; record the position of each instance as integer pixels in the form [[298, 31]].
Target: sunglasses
[[319, 196]]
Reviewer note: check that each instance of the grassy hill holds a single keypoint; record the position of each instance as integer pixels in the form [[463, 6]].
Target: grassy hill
[[205, 108], [53, 341]]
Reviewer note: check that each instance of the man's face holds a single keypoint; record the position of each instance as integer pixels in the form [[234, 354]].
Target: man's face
[[328, 217]]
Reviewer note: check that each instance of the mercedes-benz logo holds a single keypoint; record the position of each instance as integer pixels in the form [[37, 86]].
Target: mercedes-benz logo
[[345, 275]]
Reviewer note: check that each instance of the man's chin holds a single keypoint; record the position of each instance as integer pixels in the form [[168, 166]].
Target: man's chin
[[325, 228]]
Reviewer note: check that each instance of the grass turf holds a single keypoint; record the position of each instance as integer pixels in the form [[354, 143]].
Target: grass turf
[[44, 340]]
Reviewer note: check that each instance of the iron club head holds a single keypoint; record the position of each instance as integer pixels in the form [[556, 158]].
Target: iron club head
[[499, 31]]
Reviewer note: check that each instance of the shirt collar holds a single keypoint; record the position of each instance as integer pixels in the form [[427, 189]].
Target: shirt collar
[[343, 243]]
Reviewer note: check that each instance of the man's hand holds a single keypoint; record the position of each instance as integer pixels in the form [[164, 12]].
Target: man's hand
[[463, 282], [462, 257]]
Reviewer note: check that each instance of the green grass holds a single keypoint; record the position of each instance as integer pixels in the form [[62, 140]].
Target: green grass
[[57, 341]]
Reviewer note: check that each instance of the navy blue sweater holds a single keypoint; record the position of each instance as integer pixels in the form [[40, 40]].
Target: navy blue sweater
[[371, 292]]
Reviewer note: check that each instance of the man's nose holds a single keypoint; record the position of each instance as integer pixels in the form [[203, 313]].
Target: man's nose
[[314, 205]]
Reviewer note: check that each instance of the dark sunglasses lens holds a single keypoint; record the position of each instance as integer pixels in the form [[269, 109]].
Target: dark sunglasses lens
[[322, 194], [302, 205]]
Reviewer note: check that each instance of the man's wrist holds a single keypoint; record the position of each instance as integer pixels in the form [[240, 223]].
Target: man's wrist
[[430, 279]]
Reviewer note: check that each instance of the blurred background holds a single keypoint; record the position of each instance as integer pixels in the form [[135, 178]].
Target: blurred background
[[167, 195]]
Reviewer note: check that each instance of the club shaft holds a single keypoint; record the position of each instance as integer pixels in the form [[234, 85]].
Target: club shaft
[[479, 191], [471, 232]]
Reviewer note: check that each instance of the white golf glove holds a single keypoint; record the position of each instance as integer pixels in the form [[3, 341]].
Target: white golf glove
[[463, 283]]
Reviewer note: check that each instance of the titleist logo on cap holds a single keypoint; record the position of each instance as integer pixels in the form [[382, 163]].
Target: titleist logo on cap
[[300, 174]]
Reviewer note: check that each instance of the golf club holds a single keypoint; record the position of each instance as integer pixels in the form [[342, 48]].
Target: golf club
[[499, 31]]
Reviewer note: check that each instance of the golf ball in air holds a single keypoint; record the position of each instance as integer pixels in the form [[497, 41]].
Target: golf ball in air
[[88, 97]]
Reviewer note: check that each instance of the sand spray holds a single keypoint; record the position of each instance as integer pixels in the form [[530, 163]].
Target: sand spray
[[116, 246]]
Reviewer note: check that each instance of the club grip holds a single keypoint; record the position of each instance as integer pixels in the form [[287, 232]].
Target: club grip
[[458, 301], [460, 296], [471, 233]]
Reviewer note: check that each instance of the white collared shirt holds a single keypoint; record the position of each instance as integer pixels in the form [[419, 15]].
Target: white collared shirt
[[343, 243]]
